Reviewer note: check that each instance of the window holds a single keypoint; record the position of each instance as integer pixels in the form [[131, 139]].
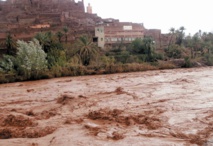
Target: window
[[114, 39], [102, 39], [95, 39]]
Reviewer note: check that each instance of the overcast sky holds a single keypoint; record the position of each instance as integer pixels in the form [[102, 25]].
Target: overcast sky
[[194, 15]]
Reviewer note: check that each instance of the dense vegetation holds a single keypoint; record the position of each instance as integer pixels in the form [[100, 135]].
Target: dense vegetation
[[50, 55]]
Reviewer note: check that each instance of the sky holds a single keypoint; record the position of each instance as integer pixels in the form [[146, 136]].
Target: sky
[[194, 15]]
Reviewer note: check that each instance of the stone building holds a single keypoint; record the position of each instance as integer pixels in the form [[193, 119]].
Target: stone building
[[89, 9], [155, 34], [114, 32], [25, 18], [161, 40]]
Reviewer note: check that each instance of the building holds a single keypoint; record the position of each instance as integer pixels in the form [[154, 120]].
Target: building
[[161, 40], [114, 32], [24, 18], [89, 9]]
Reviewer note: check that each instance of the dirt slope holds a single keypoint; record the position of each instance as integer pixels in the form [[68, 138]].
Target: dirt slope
[[155, 108]]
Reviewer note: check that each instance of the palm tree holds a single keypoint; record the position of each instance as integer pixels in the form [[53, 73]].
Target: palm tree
[[206, 42], [182, 28], [200, 33], [172, 31], [59, 34], [10, 44], [86, 49], [66, 30], [44, 40], [181, 34], [148, 45]]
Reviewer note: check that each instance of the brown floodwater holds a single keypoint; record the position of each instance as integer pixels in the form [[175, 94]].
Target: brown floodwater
[[153, 108]]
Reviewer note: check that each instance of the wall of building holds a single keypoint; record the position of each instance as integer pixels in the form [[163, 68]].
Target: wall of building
[[117, 32], [100, 35], [39, 26], [162, 40], [24, 19], [156, 35], [89, 9]]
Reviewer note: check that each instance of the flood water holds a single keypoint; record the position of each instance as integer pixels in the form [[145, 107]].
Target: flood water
[[153, 108]]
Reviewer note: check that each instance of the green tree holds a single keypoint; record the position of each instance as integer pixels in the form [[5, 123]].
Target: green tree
[[7, 64], [30, 59], [66, 30], [145, 46], [208, 42], [174, 51], [10, 44], [48, 41], [172, 31], [86, 49], [197, 44], [59, 34], [148, 44], [180, 35], [56, 57], [137, 46], [189, 44], [44, 40]]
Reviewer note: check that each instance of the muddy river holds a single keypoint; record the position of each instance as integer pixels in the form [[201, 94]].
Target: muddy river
[[153, 108]]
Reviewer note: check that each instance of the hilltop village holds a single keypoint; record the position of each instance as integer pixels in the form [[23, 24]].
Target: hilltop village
[[24, 18]]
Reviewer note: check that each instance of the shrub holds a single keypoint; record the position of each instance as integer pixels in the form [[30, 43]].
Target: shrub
[[174, 52], [165, 65], [130, 67], [187, 63], [56, 57], [7, 64], [208, 58], [133, 59], [101, 62], [76, 70], [3, 79], [56, 71], [7, 77]]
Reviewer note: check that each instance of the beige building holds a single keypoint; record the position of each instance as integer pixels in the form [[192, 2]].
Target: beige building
[[100, 36], [89, 9], [113, 32]]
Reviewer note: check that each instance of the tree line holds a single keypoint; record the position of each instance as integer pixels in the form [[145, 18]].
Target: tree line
[[50, 55]]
